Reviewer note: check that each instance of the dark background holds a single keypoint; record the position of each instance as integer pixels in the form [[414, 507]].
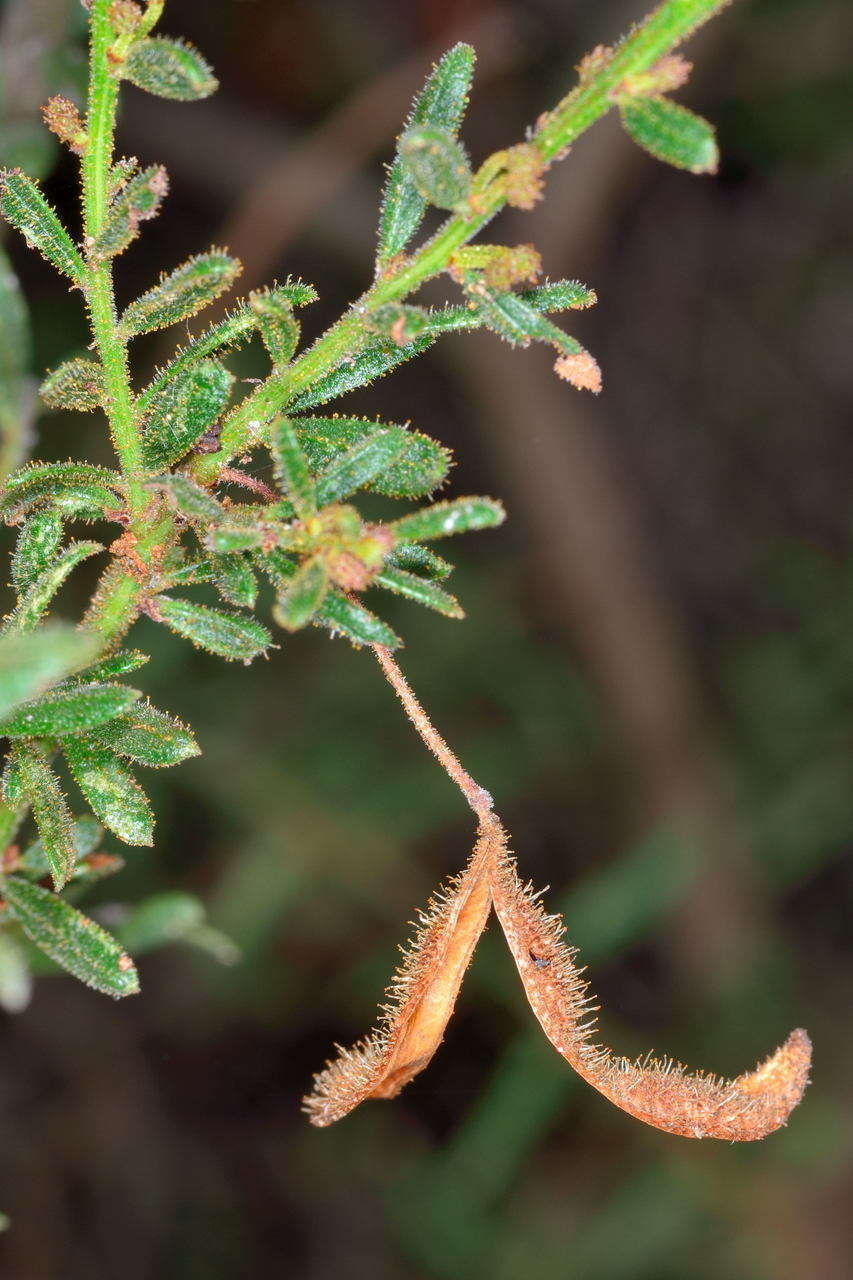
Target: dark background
[[655, 680]]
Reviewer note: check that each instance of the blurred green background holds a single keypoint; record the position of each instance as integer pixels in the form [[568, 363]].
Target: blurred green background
[[655, 680]]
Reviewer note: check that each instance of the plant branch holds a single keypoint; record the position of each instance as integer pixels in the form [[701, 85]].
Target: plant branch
[[661, 32], [477, 796]]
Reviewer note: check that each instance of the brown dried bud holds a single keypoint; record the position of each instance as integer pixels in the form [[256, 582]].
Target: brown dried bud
[[581, 370], [62, 118], [525, 174]]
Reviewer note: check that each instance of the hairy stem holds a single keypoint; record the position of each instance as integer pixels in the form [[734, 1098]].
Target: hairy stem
[[661, 32], [477, 797], [98, 286]]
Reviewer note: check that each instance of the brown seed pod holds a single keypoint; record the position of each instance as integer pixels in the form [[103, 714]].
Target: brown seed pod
[[659, 1092], [421, 996]]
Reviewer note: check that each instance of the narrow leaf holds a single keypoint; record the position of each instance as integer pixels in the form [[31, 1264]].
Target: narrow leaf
[[71, 939], [40, 787], [136, 202], [190, 499], [234, 580], [422, 590], [373, 362], [445, 518], [420, 560], [87, 834], [229, 635], [117, 664], [183, 411], [442, 101], [68, 710], [277, 325], [148, 736], [170, 69], [671, 133], [31, 664], [62, 483], [291, 468], [77, 384], [38, 543], [181, 293], [161, 919], [114, 795], [24, 207], [305, 593], [359, 466], [437, 165], [36, 599], [561, 295], [421, 465], [352, 620]]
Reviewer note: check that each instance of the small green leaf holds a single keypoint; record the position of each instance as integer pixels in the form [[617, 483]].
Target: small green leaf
[[420, 560], [359, 466], [291, 467], [148, 736], [16, 979], [303, 596], [277, 325], [113, 793], [420, 466], [62, 483], [38, 543], [234, 580], [136, 202], [229, 635], [671, 133], [561, 295], [187, 573], [161, 919], [229, 333], [228, 538], [183, 411], [437, 165], [519, 322], [73, 709], [40, 787], [12, 786], [187, 497], [25, 208], [373, 362], [442, 101], [31, 664], [170, 69], [76, 384], [399, 322], [181, 293], [86, 833], [117, 664], [71, 939], [36, 599], [352, 620], [461, 515], [420, 589]]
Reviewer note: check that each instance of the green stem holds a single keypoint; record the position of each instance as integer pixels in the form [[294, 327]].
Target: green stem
[[98, 286], [661, 32]]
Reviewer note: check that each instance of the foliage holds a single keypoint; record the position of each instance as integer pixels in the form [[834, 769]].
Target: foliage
[[180, 441]]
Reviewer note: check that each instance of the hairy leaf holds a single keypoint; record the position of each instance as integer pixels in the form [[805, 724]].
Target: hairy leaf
[[38, 543], [442, 101], [291, 467], [77, 384], [182, 412], [66, 484], [671, 133], [190, 499], [34, 602], [148, 736], [420, 466], [117, 664], [437, 164], [359, 466], [86, 833], [25, 208], [136, 202], [234, 580], [114, 795], [352, 620], [68, 710], [303, 596], [277, 325], [420, 560], [229, 635], [366, 366], [71, 939], [170, 69], [445, 518], [40, 787], [423, 590], [181, 293]]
